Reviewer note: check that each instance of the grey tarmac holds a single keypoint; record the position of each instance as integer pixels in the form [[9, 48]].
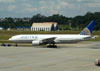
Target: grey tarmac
[[67, 57]]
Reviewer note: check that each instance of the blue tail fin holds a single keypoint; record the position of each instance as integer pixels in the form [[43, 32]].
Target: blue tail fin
[[88, 30]]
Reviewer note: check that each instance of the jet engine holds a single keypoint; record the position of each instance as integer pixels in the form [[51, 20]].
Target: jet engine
[[36, 43]]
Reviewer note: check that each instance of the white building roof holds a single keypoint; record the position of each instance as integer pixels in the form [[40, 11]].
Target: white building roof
[[44, 24]]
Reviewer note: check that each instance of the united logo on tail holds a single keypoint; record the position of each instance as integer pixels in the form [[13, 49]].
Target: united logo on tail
[[88, 29]]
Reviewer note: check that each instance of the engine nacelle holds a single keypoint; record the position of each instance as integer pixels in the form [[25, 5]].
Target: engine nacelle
[[36, 43]]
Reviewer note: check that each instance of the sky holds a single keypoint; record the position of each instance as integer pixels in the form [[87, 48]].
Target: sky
[[28, 8]]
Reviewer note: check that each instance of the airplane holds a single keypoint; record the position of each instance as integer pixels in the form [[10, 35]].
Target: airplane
[[52, 39]]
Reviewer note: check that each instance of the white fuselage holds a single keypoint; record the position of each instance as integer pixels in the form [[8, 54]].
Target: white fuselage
[[58, 38]]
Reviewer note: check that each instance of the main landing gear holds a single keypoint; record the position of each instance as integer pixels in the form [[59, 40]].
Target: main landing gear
[[52, 45], [16, 44]]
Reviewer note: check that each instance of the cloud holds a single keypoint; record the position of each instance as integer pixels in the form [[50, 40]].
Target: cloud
[[7, 1], [60, 7], [43, 2], [43, 7], [30, 10], [93, 4], [89, 3], [55, 7], [84, 1], [66, 4], [48, 7], [80, 0], [26, 7], [11, 7]]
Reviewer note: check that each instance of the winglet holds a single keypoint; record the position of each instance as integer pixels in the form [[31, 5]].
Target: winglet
[[88, 30]]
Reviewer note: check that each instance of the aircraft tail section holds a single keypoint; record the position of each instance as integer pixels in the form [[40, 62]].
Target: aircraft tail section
[[88, 30]]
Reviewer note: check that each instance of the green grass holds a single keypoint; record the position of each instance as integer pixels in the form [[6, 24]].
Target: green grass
[[43, 32], [5, 41], [5, 35], [37, 32]]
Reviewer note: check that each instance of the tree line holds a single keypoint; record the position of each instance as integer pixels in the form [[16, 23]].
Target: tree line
[[65, 23]]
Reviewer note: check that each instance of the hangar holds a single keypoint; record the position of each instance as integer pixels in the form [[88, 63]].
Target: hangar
[[45, 26]]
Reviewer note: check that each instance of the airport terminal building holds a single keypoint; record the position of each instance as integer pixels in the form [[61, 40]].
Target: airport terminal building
[[45, 26]]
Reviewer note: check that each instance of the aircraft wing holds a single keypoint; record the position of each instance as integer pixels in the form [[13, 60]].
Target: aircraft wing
[[47, 40]]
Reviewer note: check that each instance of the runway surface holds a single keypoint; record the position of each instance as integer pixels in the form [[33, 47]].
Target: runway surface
[[68, 57]]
